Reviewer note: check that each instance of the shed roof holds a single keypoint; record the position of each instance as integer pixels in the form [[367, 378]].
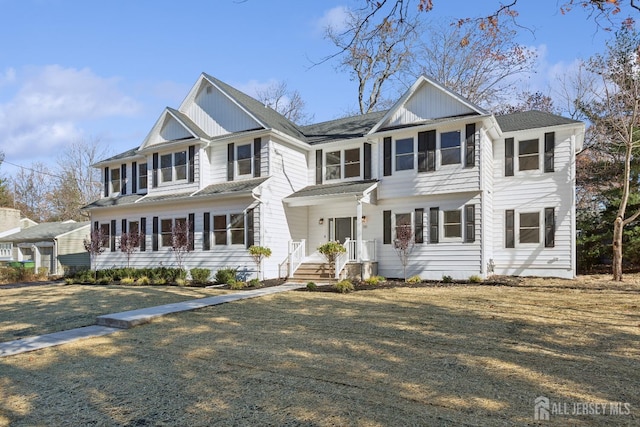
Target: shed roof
[[531, 120]]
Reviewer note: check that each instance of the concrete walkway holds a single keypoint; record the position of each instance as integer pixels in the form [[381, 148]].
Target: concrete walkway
[[111, 323]]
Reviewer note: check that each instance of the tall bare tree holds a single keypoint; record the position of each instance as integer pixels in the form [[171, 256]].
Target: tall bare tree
[[287, 102], [614, 112], [32, 187]]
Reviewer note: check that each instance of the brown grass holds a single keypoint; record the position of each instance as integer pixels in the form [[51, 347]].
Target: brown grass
[[450, 355]]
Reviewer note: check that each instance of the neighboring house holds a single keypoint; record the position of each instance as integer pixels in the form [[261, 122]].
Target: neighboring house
[[482, 194], [51, 245]]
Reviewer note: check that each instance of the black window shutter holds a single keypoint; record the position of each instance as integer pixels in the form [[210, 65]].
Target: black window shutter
[[470, 223], [230, 160], [510, 232], [192, 163], [470, 145], [206, 234], [106, 182], [192, 231], [257, 159], [318, 167], [123, 179], [112, 234], [367, 160], [386, 227], [434, 214], [427, 151], [143, 234], [155, 170], [134, 178], [387, 157], [549, 227], [154, 238], [508, 157], [250, 229], [549, 147], [419, 222], [96, 225], [422, 151]]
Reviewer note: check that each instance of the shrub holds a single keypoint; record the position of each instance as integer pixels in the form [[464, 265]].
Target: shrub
[[181, 282], [312, 286], [374, 280], [159, 281], [43, 272], [344, 286], [237, 284], [69, 280], [447, 279], [200, 276], [103, 281], [414, 280], [226, 275], [475, 279], [127, 281], [255, 283], [143, 280]]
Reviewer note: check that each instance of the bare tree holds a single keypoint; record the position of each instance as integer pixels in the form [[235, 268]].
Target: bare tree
[[403, 244], [129, 242], [529, 101], [287, 102], [31, 189], [95, 245], [614, 113], [374, 53], [181, 240]]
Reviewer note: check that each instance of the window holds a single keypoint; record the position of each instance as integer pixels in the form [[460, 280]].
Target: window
[[180, 161], [166, 226], [244, 159], [453, 224], [333, 165], [134, 228], [142, 176], [173, 167], [528, 155], [236, 222], [115, 180], [450, 148], [104, 229], [403, 226], [352, 163], [530, 227], [220, 229], [404, 154]]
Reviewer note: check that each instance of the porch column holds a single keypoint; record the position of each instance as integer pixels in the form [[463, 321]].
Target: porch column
[[359, 231]]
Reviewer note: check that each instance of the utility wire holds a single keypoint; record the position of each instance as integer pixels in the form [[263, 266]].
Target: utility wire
[[33, 170]]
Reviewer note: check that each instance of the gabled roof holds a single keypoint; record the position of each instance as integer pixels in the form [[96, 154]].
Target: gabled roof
[[532, 120], [344, 128], [188, 123], [43, 232], [325, 192], [267, 116], [125, 155], [180, 118]]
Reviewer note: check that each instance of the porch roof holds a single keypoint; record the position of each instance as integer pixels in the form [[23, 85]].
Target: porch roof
[[315, 194]]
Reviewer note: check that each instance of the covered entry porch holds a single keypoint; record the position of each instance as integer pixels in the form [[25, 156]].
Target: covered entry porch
[[335, 213]]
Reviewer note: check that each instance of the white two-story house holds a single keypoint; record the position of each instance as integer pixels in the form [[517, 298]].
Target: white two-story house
[[482, 194]]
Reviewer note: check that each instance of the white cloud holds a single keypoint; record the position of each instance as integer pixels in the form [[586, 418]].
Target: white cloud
[[335, 18], [8, 77], [52, 104]]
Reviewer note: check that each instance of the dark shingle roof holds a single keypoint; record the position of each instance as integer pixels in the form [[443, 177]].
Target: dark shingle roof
[[115, 201], [337, 189], [231, 187], [129, 153], [344, 128], [531, 120], [194, 128], [43, 232], [266, 115]]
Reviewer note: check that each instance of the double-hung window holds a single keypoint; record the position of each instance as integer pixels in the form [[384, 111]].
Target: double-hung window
[[530, 227], [352, 163], [528, 152], [404, 154], [142, 176], [229, 229], [450, 148], [115, 180], [220, 229], [173, 167], [453, 224], [333, 162], [180, 162], [244, 160], [403, 227]]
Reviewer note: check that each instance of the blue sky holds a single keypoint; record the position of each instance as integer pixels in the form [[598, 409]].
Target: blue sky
[[73, 69]]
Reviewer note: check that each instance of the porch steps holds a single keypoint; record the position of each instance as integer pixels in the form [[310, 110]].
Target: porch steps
[[313, 272]]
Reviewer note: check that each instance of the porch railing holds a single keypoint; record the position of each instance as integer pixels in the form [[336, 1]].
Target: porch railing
[[6, 251], [297, 251], [342, 259], [368, 250]]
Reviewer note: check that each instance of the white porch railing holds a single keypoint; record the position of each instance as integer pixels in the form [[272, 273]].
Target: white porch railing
[[342, 259], [297, 251], [368, 250], [6, 251]]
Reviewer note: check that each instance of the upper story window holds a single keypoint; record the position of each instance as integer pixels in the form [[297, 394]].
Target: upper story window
[[343, 163], [404, 154], [142, 176], [115, 180], [244, 157], [173, 167], [528, 153], [450, 148]]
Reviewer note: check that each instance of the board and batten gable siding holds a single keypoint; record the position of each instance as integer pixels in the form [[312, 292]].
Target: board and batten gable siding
[[288, 174], [431, 261], [533, 191], [216, 114], [445, 179], [170, 130], [428, 102]]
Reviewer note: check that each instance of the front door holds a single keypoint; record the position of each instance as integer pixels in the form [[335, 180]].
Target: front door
[[342, 228]]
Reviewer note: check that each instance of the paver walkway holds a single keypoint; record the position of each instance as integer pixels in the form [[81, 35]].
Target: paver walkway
[[111, 323]]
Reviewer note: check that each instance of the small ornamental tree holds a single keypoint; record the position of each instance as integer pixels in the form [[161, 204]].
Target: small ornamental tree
[[129, 242], [403, 245], [181, 241], [331, 250], [95, 245], [258, 253]]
